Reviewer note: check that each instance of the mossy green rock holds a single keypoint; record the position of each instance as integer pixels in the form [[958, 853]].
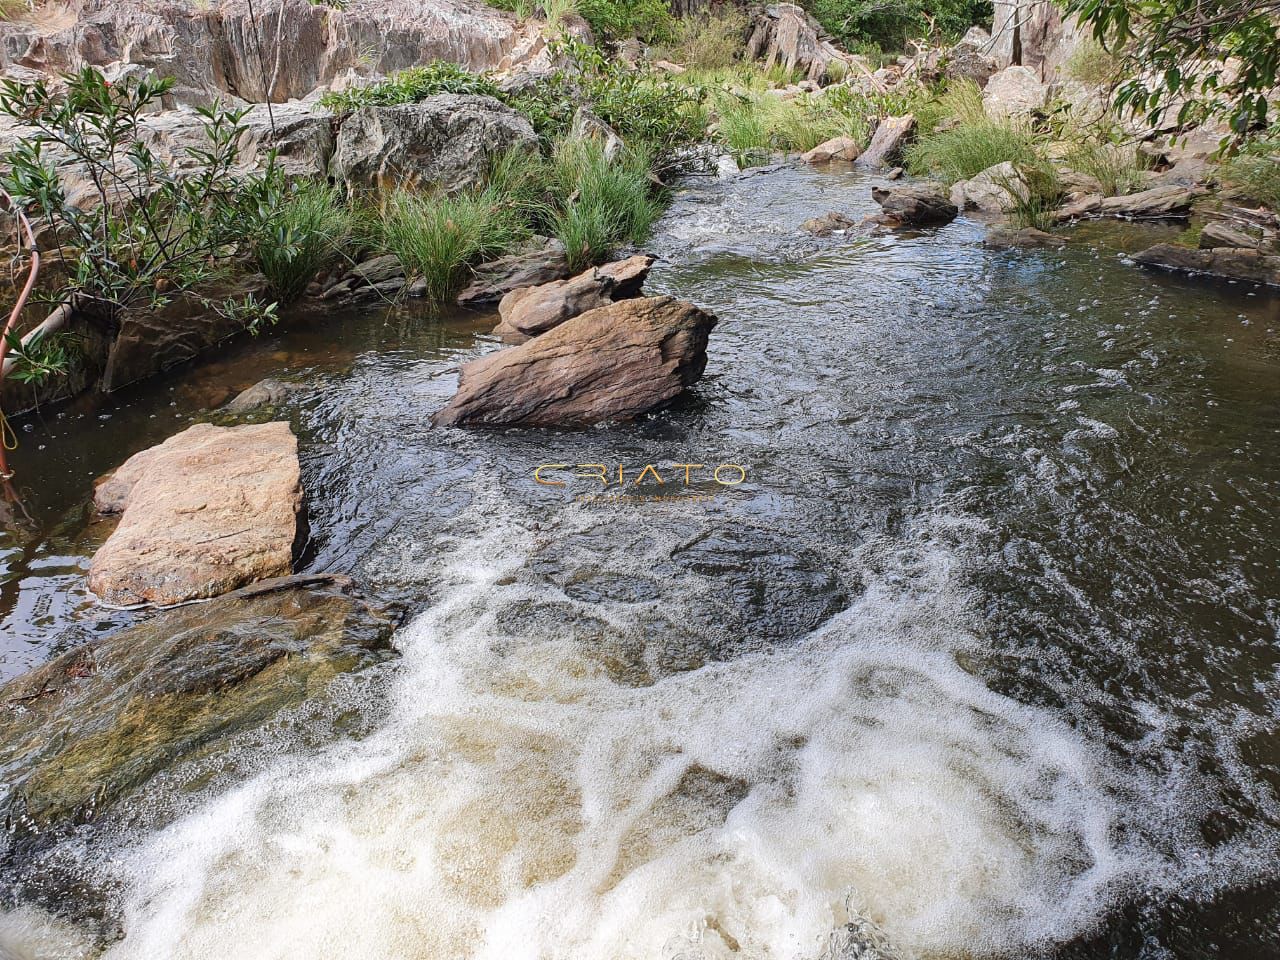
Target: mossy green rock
[[83, 732]]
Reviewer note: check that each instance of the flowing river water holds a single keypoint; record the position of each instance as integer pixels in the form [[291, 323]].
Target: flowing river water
[[981, 659]]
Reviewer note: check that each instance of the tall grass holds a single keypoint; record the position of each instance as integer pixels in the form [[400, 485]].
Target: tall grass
[[1119, 169], [1255, 171], [1034, 194], [966, 150], [436, 237], [751, 124], [709, 41], [606, 202], [302, 236]]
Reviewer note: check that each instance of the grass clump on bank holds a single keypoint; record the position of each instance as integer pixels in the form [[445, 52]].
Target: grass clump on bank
[[436, 236], [304, 232], [1035, 193], [610, 201], [1255, 171], [958, 140], [1117, 168]]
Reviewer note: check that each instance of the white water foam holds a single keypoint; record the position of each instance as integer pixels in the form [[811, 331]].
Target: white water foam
[[521, 804]]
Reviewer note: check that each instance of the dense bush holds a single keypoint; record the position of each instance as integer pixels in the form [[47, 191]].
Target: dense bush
[[649, 20], [148, 231], [709, 41], [889, 24], [1255, 171], [408, 86]]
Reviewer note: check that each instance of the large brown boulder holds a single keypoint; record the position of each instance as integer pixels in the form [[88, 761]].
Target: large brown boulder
[[611, 363], [914, 205], [208, 510], [892, 134], [531, 311], [86, 730], [1227, 263]]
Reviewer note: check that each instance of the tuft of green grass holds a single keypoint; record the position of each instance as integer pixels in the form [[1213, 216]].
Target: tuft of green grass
[[964, 151], [437, 237], [1119, 169], [304, 234], [608, 202], [753, 124], [1035, 194], [1255, 171]]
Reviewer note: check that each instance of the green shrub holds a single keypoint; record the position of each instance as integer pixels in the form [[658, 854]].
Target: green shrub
[[965, 150], [303, 234], [608, 202], [409, 86], [649, 20], [889, 24], [1255, 171], [1119, 169], [437, 237], [751, 124], [712, 41]]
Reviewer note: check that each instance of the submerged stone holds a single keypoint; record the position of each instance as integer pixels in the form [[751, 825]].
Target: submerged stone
[[85, 731]]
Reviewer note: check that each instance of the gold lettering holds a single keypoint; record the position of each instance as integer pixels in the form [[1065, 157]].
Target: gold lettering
[[687, 468], [537, 474], [602, 475], [648, 468], [742, 474]]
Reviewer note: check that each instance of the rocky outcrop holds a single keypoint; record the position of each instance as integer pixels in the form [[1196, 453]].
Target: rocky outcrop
[[446, 139], [209, 510], [497, 278], [972, 58], [785, 34], [88, 729], [1172, 201], [1034, 34], [1227, 263], [1014, 92], [892, 134], [211, 49], [532, 311], [914, 205], [612, 363], [838, 148]]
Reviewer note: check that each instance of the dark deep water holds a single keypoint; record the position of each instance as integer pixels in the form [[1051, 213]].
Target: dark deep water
[[981, 658]]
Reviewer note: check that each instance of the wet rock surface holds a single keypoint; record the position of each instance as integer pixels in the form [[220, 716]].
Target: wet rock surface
[[531, 311], [612, 363], [1006, 237], [1171, 201], [829, 224], [1227, 263], [209, 510], [497, 278], [85, 731], [914, 205], [838, 148]]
